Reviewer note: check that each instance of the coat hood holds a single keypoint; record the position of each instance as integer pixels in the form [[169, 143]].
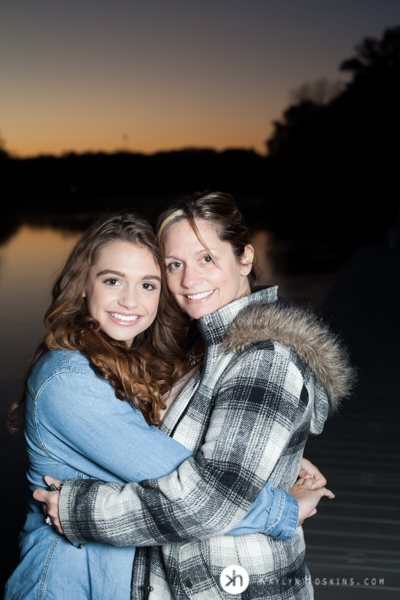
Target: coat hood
[[301, 330]]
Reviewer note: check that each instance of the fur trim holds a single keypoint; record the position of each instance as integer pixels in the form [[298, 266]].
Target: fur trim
[[301, 330]]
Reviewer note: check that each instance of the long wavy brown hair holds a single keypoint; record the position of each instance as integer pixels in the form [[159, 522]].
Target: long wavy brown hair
[[140, 374]]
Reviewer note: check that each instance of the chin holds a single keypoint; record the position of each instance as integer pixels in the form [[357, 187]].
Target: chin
[[197, 314], [120, 338]]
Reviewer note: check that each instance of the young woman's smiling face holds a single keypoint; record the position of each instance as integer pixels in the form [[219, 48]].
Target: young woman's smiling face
[[202, 284], [123, 290]]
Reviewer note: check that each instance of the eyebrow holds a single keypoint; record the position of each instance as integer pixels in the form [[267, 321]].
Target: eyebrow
[[212, 250], [104, 271], [120, 274], [156, 277]]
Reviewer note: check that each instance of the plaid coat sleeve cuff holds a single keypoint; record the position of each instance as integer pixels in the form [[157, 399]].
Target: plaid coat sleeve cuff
[[84, 493]]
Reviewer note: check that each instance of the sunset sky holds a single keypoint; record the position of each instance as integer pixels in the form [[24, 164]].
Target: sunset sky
[[90, 75]]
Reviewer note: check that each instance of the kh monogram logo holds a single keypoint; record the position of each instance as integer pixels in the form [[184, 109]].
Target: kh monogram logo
[[234, 579]]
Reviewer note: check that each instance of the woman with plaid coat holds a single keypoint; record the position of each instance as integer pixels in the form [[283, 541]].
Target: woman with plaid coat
[[270, 375]]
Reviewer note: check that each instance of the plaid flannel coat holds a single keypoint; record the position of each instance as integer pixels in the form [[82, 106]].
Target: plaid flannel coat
[[270, 374]]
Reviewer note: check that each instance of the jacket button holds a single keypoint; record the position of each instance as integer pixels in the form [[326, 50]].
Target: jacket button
[[188, 583], [149, 588], [209, 324]]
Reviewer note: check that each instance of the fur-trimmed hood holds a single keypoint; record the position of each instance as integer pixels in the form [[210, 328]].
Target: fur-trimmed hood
[[301, 330]]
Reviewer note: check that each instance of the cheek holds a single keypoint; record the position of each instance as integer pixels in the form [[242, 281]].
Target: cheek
[[172, 284], [229, 280], [232, 285], [153, 305], [93, 301], [91, 306]]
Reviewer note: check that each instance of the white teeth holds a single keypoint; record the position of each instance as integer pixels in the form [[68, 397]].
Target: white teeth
[[124, 317], [198, 296]]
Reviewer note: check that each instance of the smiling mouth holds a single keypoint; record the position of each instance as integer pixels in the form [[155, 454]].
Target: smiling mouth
[[126, 318], [199, 296]]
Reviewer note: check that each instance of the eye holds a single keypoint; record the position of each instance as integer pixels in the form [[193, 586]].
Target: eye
[[206, 259], [148, 286], [174, 266], [112, 282]]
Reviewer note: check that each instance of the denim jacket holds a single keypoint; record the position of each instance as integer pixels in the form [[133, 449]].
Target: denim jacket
[[75, 427]]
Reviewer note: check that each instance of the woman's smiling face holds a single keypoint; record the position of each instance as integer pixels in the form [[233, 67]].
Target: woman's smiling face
[[200, 283], [123, 290]]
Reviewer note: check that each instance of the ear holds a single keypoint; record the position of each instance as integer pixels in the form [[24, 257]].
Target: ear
[[84, 294], [248, 255]]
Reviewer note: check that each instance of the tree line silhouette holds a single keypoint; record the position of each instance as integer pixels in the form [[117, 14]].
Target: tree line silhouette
[[342, 156], [331, 167]]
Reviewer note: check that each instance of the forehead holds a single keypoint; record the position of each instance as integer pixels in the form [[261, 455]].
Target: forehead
[[182, 232], [122, 251]]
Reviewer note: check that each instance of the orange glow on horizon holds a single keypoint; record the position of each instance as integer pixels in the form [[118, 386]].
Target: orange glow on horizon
[[44, 136]]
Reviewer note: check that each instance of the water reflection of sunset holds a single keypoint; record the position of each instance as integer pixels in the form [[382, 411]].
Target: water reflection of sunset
[[29, 263], [32, 246]]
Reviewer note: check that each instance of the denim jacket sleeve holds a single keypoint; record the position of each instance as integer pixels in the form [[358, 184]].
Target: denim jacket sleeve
[[275, 513], [75, 419]]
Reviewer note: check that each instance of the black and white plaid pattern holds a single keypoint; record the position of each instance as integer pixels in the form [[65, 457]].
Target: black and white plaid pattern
[[247, 417]]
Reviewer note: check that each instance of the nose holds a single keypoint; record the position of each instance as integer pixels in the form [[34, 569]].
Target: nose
[[190, 276], [128, 298]]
